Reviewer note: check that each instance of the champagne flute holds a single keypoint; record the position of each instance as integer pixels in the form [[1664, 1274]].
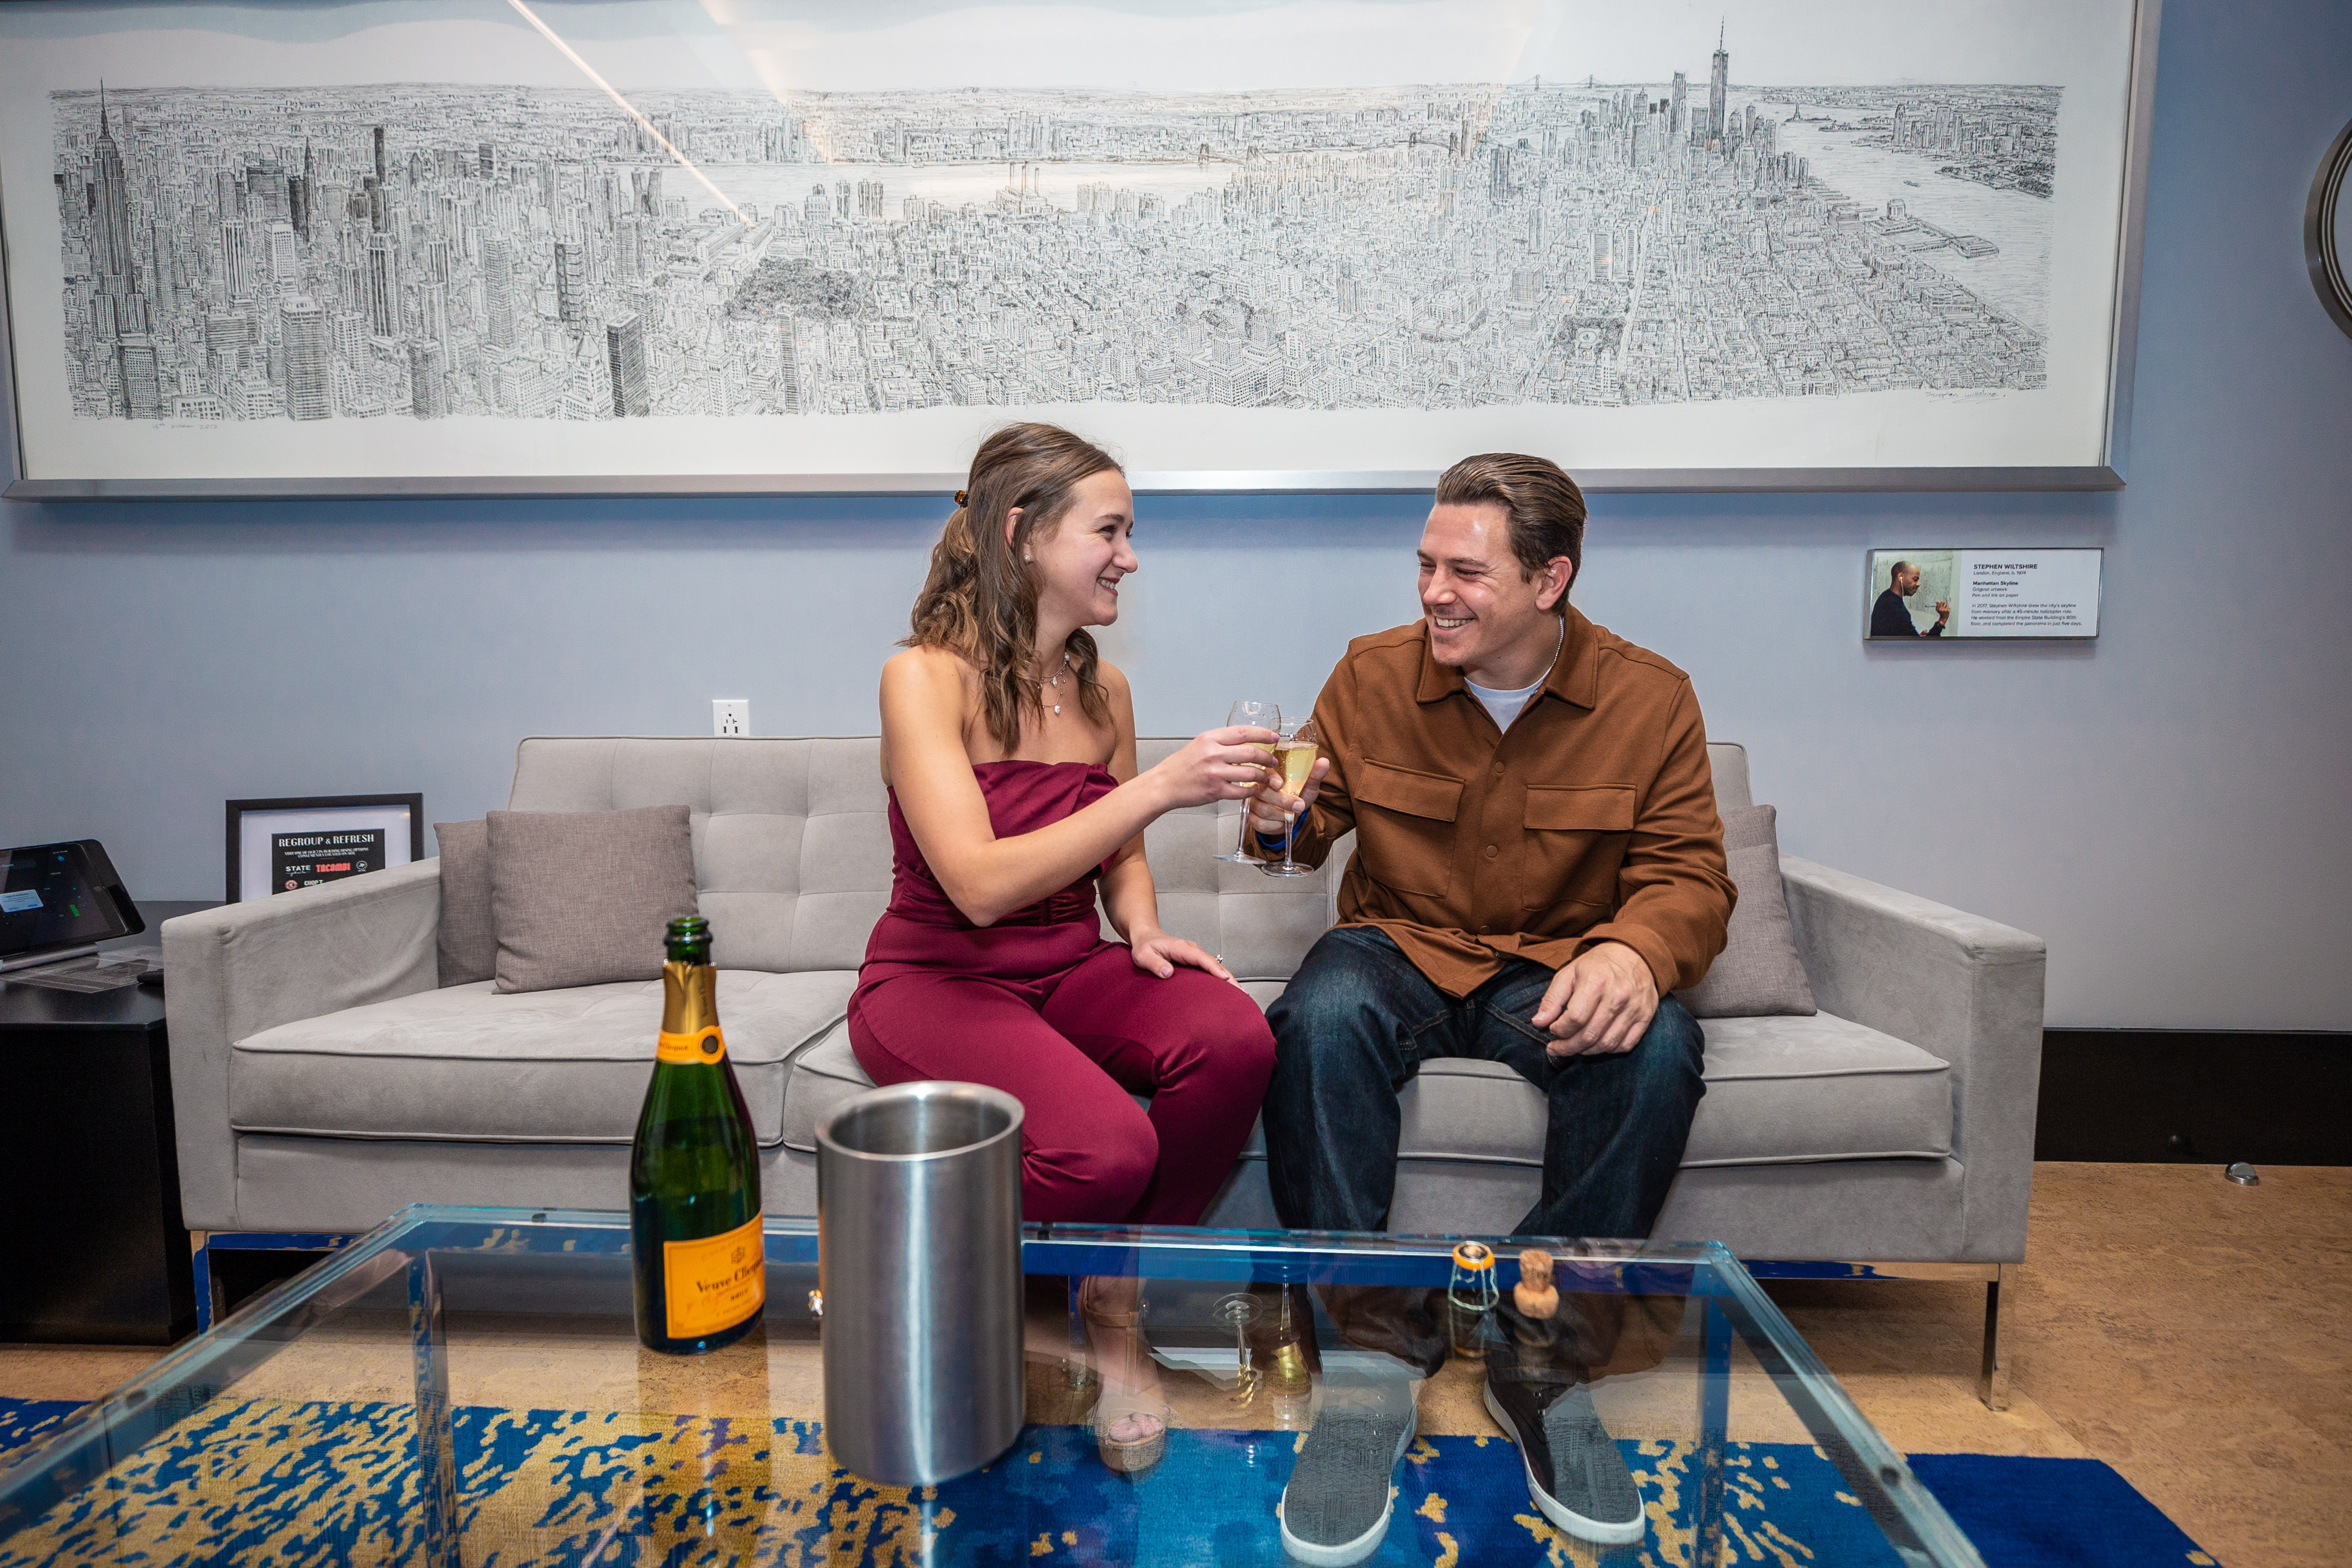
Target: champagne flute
[[1257, 716], [1297, 745]]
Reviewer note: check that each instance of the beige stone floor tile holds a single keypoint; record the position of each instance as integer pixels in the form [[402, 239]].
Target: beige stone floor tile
[[2181, 1327], [69, 1371], [1939, 1413]]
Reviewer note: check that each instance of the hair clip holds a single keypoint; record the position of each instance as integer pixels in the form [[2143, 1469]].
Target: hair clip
[[960, 497]]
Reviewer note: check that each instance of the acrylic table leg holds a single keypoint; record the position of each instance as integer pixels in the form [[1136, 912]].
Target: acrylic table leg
[[436, 1457], [1714, 1427]]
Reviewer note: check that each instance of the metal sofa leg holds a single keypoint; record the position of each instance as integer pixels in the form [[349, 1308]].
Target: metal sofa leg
[[200, 1260], [205, 1247], [1992, 1378]]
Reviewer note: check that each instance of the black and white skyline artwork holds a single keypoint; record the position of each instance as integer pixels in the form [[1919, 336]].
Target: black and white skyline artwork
[[428, 251], [541, 237]]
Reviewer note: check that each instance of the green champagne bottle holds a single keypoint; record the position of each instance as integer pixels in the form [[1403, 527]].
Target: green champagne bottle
[[696, 1254]]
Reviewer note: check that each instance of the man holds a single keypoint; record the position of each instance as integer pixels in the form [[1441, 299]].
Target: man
[[1890, 617], [1538, 867]]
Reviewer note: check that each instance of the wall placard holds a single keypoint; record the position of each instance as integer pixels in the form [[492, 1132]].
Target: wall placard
[[1961, 594]]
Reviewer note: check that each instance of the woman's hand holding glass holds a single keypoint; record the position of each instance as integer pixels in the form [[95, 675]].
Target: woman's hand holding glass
[[1226, 764]]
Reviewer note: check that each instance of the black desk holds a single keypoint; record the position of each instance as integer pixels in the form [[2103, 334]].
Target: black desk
[[91, 1248]]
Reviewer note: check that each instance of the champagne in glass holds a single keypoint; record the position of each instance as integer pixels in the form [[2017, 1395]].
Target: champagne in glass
[[1294, 751], [1257, 716]]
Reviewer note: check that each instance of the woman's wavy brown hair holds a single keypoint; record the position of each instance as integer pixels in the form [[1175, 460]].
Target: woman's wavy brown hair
[[980, 599]]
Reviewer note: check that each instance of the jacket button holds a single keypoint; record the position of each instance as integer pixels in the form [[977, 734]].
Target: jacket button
[[1492, 851]]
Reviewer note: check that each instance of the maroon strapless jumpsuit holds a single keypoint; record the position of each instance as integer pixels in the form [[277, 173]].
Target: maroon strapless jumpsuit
[[1040, 1005]]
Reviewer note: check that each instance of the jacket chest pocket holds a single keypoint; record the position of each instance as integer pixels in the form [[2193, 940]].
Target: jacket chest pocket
[[1576, 841], [1404, 826]]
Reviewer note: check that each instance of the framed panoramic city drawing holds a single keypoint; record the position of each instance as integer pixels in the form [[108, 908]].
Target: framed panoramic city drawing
[[647, 246]]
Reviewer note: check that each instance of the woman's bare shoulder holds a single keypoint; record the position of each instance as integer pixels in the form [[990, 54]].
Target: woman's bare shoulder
[[929, 697], [928, 668], [1113, 680]]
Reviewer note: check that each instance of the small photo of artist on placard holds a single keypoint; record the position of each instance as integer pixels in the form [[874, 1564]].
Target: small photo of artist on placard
[[1914, 592]]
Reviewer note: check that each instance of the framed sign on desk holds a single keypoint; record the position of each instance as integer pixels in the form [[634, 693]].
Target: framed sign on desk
[[539, 246], [278, 846]]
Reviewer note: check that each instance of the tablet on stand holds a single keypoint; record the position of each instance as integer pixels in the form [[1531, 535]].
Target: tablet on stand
[[59, 902]]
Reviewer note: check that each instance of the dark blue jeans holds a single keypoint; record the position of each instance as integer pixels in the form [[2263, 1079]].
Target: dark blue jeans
[[1358, 1020]]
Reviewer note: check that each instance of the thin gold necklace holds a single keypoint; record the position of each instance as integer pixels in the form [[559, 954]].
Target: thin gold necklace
[[1056, 682]]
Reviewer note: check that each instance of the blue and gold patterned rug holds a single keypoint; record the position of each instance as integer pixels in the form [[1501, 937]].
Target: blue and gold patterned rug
[[262, 1482]]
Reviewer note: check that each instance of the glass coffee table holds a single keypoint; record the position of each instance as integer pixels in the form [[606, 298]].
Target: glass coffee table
[[465, 1386]]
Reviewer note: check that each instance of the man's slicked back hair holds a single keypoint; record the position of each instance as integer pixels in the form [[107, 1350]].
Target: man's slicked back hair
[[1545, 508]]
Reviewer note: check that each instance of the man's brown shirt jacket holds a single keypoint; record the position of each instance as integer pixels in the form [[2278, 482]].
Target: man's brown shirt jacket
[[1592, 821]]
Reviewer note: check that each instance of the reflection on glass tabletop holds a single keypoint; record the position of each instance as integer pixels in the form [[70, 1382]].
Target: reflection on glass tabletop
[[465, 1386]]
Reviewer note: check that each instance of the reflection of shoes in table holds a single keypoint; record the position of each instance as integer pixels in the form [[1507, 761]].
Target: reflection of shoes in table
[[1281, 1381], [1130, 1419], [1059, 1391], [1281, 1378], [1131, 1431], [1341, 1493], [1575, 1473]]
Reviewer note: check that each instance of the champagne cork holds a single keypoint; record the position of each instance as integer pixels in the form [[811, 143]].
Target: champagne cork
[[1534, 1294], [1472, 1285]]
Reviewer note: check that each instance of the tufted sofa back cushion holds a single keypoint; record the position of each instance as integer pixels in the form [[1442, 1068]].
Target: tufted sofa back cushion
[[791, 838], [791, 845]]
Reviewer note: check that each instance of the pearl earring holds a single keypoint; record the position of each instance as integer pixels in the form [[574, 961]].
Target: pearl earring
[[1026, 556]]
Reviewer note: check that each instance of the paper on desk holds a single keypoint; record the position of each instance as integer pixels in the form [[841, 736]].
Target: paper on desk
[[108, 972]]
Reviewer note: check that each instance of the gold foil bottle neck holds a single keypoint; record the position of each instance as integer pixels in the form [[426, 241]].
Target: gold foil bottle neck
[[690, 998]]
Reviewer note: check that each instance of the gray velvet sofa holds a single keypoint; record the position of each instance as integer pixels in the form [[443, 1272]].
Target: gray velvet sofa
[[321, 1079]]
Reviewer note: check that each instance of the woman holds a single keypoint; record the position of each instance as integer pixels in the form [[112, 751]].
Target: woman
[[1009, 750]]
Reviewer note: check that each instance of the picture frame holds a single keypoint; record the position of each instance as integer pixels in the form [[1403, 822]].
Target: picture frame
[[278, 845], [1269, 273], [2050, 595]]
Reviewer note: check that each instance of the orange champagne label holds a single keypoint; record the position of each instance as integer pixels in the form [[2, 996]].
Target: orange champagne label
[[704, 1044], [716, 1282]]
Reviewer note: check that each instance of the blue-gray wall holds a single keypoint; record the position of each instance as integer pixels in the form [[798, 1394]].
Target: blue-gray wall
[[2166, 806]]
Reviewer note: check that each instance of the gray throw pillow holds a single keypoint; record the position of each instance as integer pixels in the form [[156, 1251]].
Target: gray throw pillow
[[1744, 827], [1758, 974], [466, 944], [581, 898]]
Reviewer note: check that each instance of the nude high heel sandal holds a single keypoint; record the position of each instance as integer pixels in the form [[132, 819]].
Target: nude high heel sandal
[[1130, 1419]]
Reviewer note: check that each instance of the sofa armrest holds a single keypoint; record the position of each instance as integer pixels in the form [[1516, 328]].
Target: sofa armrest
[[1963, 988], [241, 968]]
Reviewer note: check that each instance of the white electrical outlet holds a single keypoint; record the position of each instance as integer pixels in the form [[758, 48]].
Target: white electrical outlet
[[730, 715]]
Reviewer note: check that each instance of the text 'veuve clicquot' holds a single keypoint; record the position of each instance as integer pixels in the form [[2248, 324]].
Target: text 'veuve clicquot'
[[697, 1258]]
